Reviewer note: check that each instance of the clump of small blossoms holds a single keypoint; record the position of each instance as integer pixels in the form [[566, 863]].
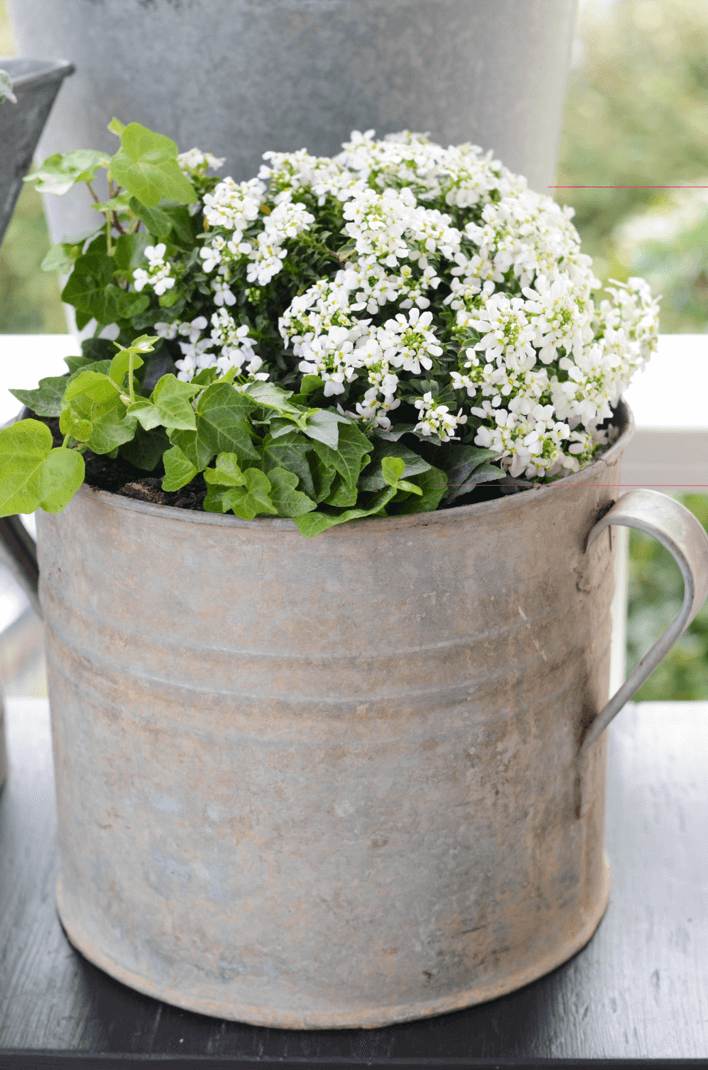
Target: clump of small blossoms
[[194, 162], [424, 286], [157, 275]]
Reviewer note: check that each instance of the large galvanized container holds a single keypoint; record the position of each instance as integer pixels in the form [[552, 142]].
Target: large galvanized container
[[342, 781]]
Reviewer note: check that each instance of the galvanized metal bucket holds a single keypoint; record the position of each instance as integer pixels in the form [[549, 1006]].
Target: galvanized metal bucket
[[344, 781]]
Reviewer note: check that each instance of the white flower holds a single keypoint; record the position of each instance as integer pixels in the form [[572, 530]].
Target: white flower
[[194, 161], [436, 419], [156, 254], [211, 254], [162, 284], [234, 206], [167, 330], [222, 294], [408, 342], [158, 273], [506, 331]]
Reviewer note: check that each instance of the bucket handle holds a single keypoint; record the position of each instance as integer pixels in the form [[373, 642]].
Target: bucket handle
[[677, 529]]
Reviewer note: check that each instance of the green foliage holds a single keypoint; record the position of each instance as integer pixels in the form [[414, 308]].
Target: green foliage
[[34, 475], [60, 172], [146, 166]]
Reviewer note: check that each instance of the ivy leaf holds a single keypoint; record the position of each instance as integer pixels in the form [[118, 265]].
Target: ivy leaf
[[350, 456], [395, 433], [117, 204], [288, 500], [323, 476], [47, 398], [95, 385], [34, 475], [290, 452], [86, 286], [280, 426], [270, 396], [342, 495], [412, 464], [392, 469], [70, 423], [112, 429], [222, 422], [226, 472], [431, 485], [172, 399], [253, 498], [313, 523], [62, 474], [147, 414], [97, 349], [214, 501], [467, 468], [309, 384], [157, 222], [61, 258], [146, 166], [60, 172], [24, 447], [323, 426], [77, 363], [146, 449], [195, 449], [179, 470]]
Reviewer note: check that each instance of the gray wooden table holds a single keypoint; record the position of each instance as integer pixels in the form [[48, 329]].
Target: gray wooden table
[[636, 996]]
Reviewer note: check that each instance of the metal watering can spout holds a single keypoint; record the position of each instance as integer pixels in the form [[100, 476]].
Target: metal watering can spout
[[35, 84]]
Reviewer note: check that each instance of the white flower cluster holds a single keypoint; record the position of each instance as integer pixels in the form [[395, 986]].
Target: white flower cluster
[[158, 273], [226, 346], [233, 208], [444, 268], [195, 162]]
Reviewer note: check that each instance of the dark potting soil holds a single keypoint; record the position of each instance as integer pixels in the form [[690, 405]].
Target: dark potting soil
[[119, 476]]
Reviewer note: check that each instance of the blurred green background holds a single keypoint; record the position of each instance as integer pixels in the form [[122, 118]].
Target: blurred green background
[[636, 115]]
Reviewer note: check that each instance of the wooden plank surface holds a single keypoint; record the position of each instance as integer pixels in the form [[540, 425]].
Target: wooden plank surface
[[639, 991]]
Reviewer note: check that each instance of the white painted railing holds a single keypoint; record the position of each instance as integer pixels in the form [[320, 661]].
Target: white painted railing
[[669, 451]]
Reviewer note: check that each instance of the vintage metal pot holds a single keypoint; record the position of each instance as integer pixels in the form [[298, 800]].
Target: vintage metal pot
[[344, 781]]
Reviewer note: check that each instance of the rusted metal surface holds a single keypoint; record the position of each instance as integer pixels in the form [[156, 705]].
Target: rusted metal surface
[[330, 782]]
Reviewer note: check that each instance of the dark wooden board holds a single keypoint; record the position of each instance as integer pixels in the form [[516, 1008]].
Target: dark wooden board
[[637, 995]]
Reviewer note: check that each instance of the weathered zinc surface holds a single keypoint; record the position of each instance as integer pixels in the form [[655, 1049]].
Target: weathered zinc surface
[[330, 782]]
